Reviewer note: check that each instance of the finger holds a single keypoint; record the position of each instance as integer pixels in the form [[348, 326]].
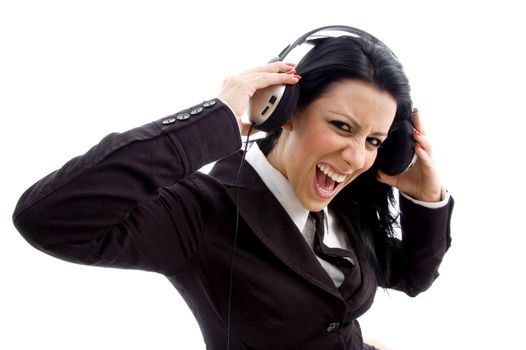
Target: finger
[[425, 159], [275, 67], [386, 179], [262, 80], [423, 141], [417, 121]]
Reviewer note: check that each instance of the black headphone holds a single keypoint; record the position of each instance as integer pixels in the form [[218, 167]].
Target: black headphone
[[271, 107]]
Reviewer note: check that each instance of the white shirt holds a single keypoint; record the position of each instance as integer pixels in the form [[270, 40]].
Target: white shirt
[[281, 189]]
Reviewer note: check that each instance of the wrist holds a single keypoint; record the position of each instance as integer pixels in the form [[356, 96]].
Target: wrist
[[431, 197], [445, 196]]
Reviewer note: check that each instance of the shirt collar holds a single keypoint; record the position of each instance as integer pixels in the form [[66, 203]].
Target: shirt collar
[[278, 185]]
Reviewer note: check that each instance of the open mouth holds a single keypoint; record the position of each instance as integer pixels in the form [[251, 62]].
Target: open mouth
[[327, 180]]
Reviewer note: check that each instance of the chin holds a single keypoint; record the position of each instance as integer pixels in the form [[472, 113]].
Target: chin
[[313, 205]]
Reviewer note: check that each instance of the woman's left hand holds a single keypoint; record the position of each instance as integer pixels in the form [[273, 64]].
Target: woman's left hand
[[421, 180]]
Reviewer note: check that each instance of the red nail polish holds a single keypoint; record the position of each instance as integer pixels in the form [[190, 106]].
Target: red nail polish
[[290, 64], [415, 110], [418, 146], [416, 133], [297, 77], [293, 71]]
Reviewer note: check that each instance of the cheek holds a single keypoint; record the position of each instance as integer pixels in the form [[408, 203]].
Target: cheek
[[369, 161], [300, 161], [371, 157], [294, 155]]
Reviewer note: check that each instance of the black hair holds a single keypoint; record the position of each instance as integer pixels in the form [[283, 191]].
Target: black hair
[[364, 205]]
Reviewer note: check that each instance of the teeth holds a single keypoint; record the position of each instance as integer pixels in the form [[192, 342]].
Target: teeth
[[332, 175]]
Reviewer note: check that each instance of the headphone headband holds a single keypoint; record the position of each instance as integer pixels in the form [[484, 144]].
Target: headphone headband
[[311, 35], [271, 107]]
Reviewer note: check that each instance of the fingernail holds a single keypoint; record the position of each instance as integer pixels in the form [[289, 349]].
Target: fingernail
[[290, 64], [418, 146], [416, 133], [297, 77], [415, 110], [293, 71]]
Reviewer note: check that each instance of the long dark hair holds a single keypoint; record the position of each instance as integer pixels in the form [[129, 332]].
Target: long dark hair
[[363, 206]]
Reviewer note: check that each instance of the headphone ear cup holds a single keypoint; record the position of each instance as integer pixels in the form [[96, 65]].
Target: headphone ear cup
[[279, 103], [398, 150]]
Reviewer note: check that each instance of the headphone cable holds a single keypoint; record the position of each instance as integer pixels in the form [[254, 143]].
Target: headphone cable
[[235, 238]]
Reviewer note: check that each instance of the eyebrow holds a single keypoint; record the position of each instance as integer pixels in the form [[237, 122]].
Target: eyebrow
[[356, 124]]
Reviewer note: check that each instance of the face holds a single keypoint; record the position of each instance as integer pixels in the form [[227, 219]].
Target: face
[[333, 140]]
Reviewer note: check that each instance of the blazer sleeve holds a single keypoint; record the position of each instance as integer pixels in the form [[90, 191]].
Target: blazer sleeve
[[426, 237], [129, 202]]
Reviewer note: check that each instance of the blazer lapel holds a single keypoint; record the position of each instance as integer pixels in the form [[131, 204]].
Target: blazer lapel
[[270, 223]]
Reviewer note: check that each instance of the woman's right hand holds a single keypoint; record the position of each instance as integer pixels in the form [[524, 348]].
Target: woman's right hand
[[237, 89]]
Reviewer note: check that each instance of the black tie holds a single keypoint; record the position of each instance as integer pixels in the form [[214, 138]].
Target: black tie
[[336, 256]]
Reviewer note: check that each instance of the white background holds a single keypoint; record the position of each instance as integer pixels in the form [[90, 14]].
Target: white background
[[73, 71]]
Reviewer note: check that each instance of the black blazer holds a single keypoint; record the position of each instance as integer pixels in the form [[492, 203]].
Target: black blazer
[[136, 201]]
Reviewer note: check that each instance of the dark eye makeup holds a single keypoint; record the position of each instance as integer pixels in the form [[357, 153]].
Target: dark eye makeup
[[373, 141], [341, 125]]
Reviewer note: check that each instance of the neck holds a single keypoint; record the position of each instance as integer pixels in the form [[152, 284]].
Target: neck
[[273, 158]]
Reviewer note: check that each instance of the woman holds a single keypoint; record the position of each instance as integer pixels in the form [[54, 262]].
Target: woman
[[136, 200]]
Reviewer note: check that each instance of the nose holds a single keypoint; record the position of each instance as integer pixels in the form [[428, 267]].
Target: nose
[[355, 155]]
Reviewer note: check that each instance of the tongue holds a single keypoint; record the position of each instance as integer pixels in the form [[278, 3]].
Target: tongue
[[324, 181]]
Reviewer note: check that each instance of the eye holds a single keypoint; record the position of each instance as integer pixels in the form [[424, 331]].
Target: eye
[[341, 125], [374, 142]]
